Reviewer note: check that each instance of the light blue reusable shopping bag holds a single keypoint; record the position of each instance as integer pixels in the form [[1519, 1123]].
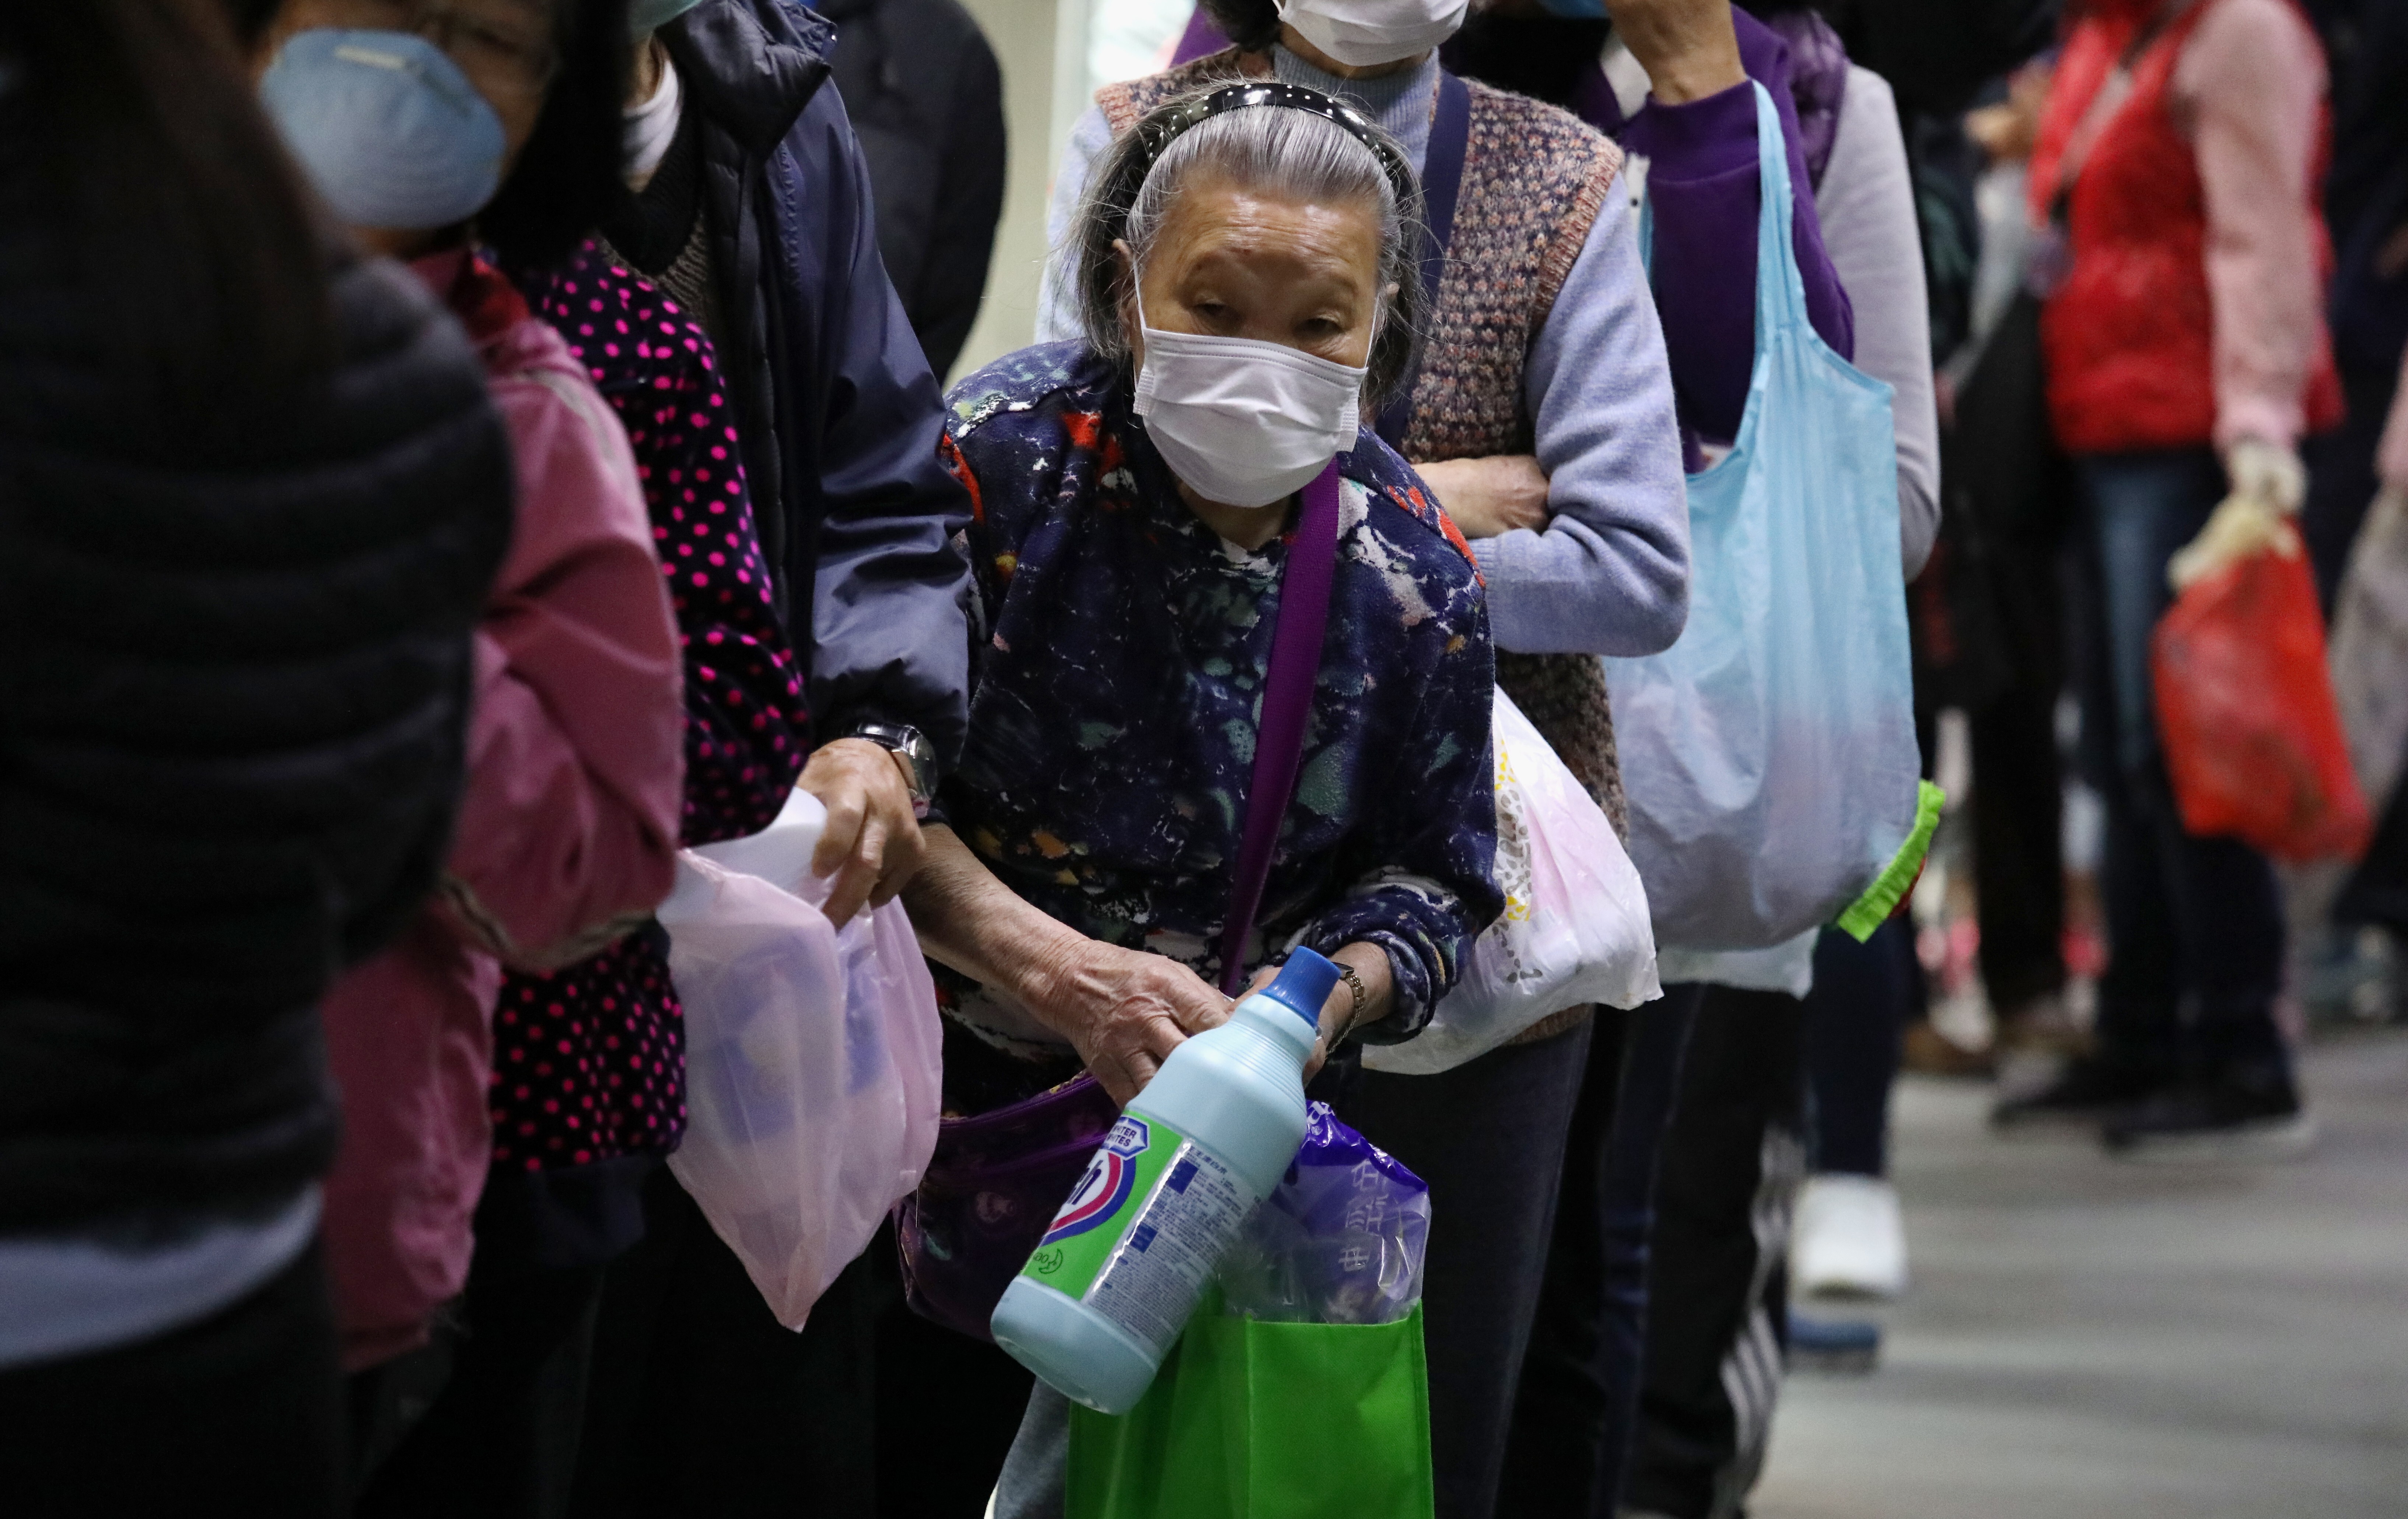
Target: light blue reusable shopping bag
[[1770, 753]]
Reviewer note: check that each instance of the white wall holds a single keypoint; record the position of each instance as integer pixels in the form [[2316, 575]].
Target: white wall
[[1054, 60], [1031, 42]]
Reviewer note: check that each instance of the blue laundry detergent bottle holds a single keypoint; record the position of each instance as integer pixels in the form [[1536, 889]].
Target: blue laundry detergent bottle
[[1110, 1288]]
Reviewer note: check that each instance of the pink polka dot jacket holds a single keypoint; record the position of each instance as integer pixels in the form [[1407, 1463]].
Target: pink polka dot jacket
[[589, 1062]]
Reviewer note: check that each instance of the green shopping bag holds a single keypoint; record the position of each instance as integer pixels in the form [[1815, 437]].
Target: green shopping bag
[[1256, 1420]]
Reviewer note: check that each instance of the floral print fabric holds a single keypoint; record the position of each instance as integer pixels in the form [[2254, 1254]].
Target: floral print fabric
[[1119, 652]]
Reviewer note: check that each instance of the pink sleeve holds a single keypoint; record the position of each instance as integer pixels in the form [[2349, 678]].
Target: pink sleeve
[[2249, 81], [567, 834], [2391, 455]]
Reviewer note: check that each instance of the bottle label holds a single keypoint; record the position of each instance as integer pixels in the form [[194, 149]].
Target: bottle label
[[1143, 1230]]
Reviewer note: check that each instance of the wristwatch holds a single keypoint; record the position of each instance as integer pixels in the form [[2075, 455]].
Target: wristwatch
[[918, 754]]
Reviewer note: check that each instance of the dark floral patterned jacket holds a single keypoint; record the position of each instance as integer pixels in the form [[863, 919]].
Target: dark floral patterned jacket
[[1120, 649]]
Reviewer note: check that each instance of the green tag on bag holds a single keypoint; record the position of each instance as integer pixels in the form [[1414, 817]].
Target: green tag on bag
[[1870, 911]]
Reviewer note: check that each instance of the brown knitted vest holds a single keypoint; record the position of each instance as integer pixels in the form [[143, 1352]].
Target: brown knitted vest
[[1534, 178]]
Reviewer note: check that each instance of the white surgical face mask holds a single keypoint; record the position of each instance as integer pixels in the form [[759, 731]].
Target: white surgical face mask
[[1365, 34], [1245, 422]]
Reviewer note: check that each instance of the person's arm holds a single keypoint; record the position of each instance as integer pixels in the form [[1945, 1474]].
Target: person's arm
[[1609, 573], [2249, 78], [887, 619], [1124, 1011], [1057, 299], [969, 203], [887, 640], [569, 823], [1867, 202], [1422, 863], [1700, 138]]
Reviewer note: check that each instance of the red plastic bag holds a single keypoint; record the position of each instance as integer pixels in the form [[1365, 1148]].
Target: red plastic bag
[[2253, 740]]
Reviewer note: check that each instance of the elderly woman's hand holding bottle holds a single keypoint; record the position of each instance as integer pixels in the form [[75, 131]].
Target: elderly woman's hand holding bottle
[[1124, 1011]]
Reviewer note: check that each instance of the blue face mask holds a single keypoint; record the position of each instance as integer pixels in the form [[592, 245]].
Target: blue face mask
[[1576, 10], [650, 15], [392, 135]]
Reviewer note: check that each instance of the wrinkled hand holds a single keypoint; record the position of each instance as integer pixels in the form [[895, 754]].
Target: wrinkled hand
[[1333, 1017], [1491, 497], [1124, 1011], [1688, 47], [872, 844], [1338, 1017], [2007, 131], [2268, 485], [2269, 473]]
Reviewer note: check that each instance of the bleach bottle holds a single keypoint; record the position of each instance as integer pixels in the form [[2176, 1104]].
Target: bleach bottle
[[1111, 1285]]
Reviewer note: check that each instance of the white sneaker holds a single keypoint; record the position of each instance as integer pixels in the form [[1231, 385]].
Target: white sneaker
[[1848, 1241]]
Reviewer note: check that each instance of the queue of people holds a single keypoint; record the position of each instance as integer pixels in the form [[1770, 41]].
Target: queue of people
[[520, 423]]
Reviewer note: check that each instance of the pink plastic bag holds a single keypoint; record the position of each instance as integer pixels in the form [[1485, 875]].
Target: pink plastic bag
[[812, 1060]]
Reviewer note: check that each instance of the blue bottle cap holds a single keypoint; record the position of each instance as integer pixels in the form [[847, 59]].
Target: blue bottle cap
[[1303, 985]]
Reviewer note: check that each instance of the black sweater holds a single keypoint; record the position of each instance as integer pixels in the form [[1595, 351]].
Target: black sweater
[[233, 681]]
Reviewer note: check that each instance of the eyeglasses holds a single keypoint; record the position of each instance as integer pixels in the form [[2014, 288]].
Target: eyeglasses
[[505, 47]]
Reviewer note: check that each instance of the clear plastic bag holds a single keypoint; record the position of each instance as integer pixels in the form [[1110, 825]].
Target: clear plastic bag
[[1575, 929], [812, 1059], [1340, 1241]]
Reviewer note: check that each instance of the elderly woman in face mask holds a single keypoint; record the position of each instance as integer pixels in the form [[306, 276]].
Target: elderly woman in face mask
[[1249, 296], [1247, 292]]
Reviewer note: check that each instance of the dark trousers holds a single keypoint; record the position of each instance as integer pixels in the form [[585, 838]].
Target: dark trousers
[[1488, 1137], [2341, 481], [2193, 924], [1717, 1284], [239, 1413], [1863, 995], [500, 1439], [1578, 1400], [2019, 787], [932, 1378], [703, 1404]]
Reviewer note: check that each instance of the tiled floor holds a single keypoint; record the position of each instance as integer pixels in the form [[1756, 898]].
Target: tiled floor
[[2094, 1340]]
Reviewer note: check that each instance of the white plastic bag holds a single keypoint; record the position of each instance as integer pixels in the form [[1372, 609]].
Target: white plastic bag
[[812, 1059], [1575, 929], [2370, 649]]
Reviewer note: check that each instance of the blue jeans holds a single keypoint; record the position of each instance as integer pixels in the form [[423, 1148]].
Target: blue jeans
[[2193, 924]]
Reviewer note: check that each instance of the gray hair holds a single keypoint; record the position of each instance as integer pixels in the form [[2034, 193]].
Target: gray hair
[[1294, 154]]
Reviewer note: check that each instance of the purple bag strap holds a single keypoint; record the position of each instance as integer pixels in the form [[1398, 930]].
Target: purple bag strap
[[1287, 708]]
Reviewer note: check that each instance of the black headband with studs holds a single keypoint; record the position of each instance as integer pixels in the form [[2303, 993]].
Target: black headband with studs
[[1166, 127]]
